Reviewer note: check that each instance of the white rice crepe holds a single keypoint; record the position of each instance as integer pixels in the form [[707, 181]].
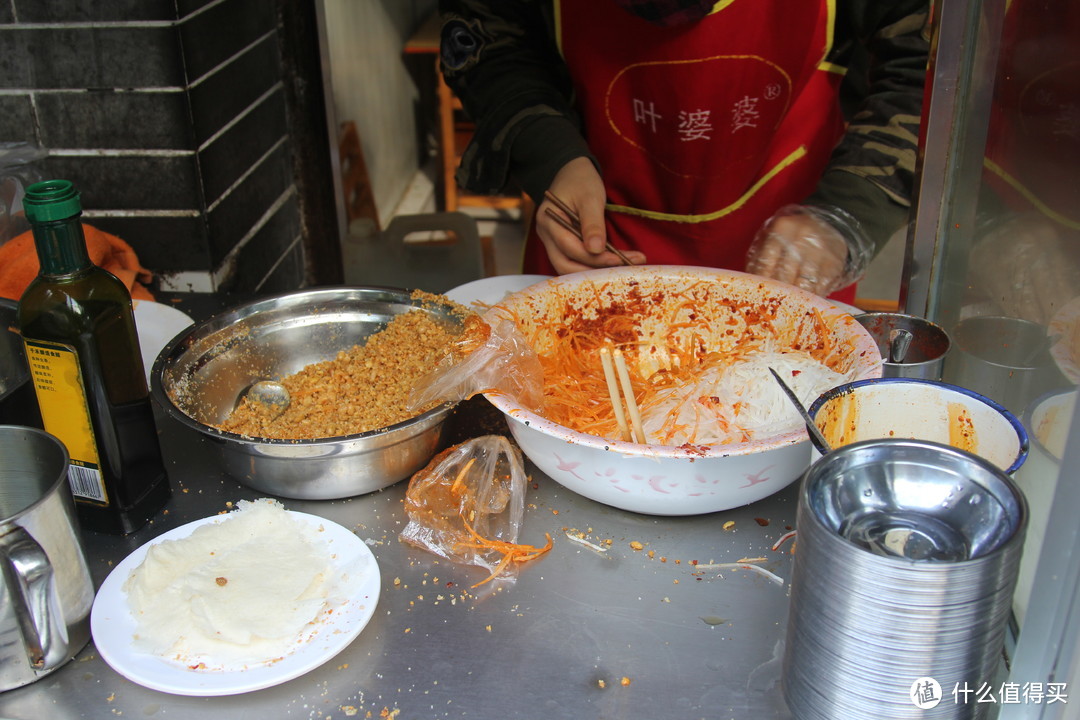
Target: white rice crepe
[[239, 591]]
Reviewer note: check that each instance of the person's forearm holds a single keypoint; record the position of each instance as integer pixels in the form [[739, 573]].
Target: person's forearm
[[501, 62]]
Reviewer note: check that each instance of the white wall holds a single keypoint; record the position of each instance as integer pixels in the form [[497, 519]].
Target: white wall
[[371, 87]]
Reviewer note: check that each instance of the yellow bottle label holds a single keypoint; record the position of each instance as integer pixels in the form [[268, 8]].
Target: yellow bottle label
[[61, 396]]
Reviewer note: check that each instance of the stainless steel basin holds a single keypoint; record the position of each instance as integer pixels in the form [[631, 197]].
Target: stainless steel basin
[[198, 377]]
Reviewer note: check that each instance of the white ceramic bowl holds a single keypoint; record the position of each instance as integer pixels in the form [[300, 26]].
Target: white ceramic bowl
[[665, 480], [922, 410]]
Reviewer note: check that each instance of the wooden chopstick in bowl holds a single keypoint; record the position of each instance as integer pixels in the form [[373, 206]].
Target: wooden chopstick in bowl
[[616, 374], [613, 394]]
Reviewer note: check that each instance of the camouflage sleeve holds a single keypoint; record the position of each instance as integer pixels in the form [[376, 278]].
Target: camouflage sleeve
[[500, 59], [885, 48]]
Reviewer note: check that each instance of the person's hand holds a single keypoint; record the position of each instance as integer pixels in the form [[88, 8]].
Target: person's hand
[[578, 184], [797, 246], [1026, 267]]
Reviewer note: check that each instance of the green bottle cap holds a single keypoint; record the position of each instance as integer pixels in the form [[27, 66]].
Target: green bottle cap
[[51, 200]]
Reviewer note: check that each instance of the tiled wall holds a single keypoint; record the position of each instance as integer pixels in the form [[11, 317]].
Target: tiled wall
[[172, 118]]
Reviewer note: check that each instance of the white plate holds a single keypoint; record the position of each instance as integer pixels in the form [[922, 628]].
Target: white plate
[[486, 292], [113, 625], [157, 325]]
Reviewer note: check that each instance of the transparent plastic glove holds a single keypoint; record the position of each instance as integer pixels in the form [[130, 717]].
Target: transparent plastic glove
[[820, 249]]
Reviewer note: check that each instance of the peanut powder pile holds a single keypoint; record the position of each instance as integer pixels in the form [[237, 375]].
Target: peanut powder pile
[[364, 388]]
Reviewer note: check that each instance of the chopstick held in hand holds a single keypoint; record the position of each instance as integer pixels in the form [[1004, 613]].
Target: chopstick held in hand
[[572, 223]]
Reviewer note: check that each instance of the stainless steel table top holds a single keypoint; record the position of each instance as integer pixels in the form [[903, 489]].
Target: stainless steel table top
[[627, 633]]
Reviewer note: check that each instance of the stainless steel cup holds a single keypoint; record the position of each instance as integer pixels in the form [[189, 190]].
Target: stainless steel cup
[[1006, 359], [47, 589], [926, 354]]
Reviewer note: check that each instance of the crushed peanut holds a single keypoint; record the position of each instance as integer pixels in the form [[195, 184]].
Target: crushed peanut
[[364, 388]]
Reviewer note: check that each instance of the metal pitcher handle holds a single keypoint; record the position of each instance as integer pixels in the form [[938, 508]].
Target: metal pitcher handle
[[30, 578]]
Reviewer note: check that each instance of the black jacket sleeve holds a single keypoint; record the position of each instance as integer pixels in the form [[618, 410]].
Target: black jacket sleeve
[[501, 61]]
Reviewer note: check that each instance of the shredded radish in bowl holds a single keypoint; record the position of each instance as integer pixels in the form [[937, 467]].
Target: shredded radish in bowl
[[737, 402]]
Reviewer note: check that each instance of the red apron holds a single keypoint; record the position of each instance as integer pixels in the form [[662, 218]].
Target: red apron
[[702, 131]]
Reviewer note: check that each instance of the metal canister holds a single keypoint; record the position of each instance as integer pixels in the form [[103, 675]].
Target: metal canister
[[924, 357], [1006, 359]]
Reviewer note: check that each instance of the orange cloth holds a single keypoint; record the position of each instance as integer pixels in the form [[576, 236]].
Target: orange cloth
[[19, 263]]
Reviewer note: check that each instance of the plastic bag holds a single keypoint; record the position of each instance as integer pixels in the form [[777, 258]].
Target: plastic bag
[[485, 359], [17, 172], [467, 506]]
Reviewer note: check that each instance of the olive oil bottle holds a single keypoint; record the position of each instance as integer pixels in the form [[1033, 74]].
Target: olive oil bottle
[[77, 324]]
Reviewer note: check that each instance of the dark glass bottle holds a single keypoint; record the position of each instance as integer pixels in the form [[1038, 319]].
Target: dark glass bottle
[[77, 324]]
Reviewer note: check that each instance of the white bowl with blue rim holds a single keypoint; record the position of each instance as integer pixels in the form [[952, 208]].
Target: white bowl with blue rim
[[919, 409]]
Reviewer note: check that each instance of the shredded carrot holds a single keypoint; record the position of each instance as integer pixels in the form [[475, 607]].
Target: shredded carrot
[[669, 337], [459, 483], [511, 552]]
